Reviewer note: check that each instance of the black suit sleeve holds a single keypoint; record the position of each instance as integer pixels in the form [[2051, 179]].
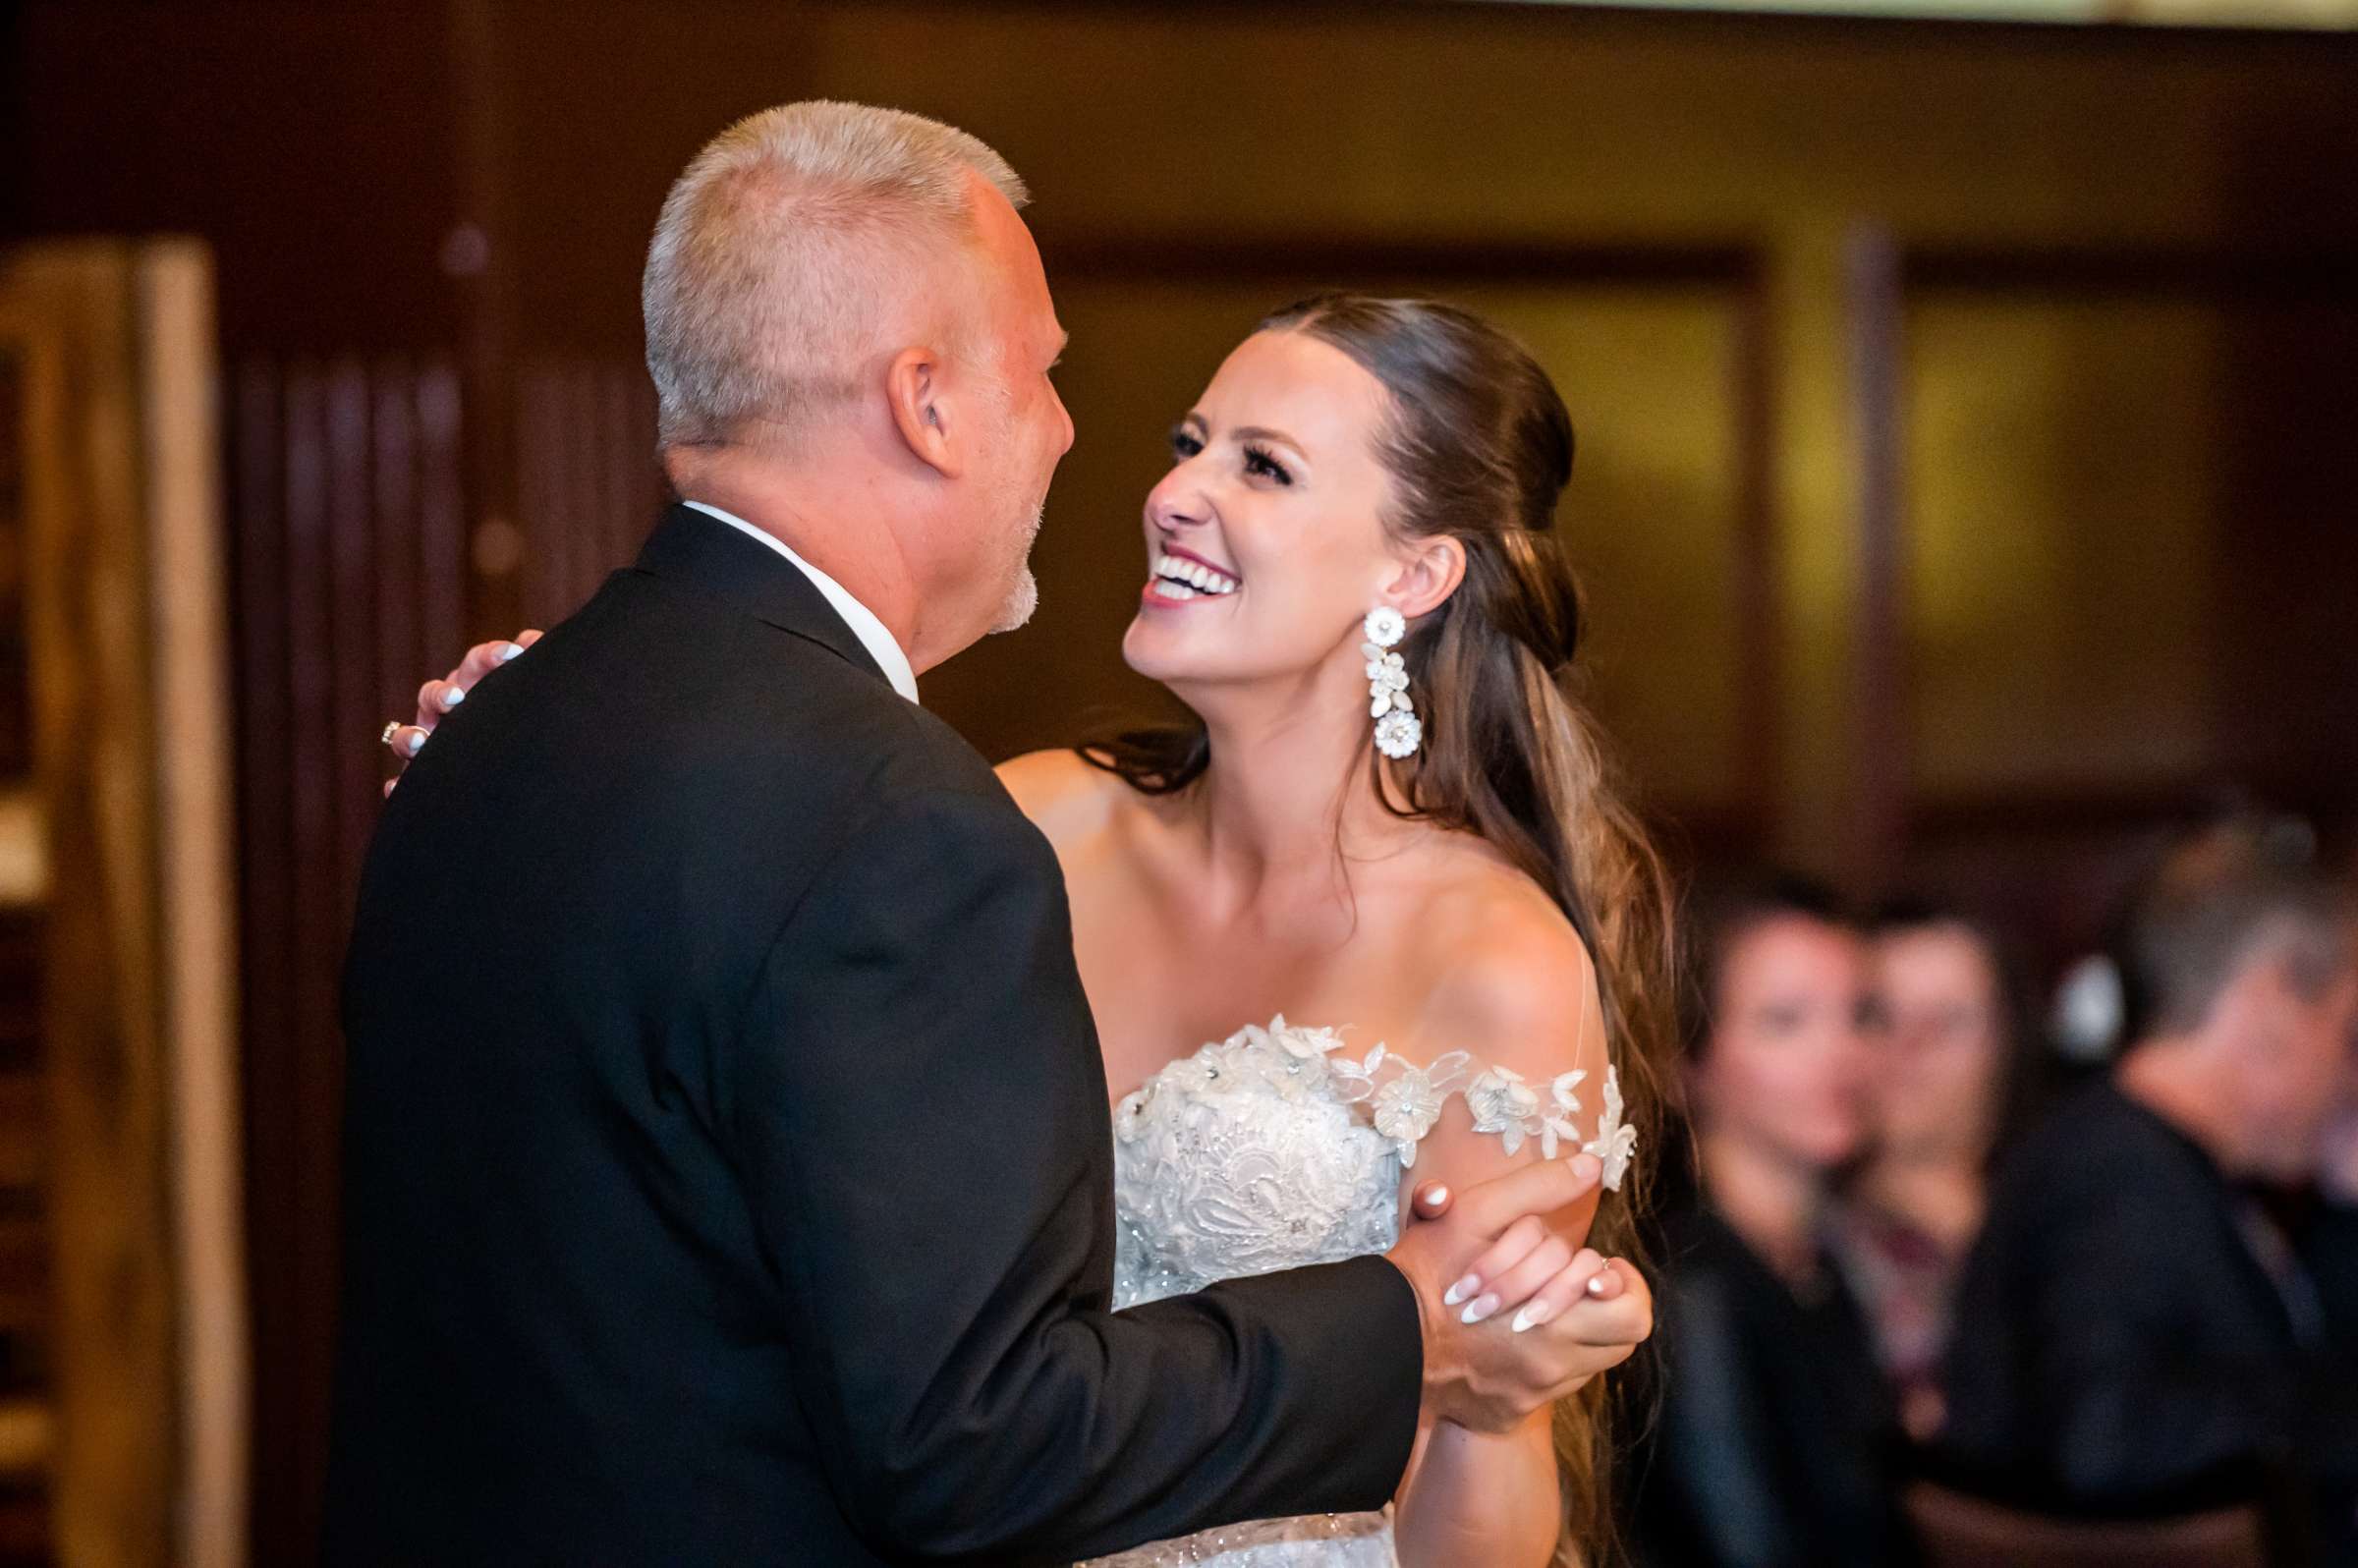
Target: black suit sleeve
[[2155, 1370], [920, 1116]]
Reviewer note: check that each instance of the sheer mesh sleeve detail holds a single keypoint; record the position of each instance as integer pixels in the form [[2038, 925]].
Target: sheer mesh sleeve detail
[[1403, 1101]]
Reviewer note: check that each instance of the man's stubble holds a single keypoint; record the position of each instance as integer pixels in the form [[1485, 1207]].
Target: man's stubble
[[1023, 593]]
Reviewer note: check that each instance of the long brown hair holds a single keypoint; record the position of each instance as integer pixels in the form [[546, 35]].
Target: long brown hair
[[1478, 448]]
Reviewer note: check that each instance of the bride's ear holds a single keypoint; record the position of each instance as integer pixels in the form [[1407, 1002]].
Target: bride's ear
[[1428, 576], [917, 391]]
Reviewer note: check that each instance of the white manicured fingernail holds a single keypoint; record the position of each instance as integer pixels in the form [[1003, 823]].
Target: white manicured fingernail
[[416, 740], [1460, 1291], [1530, 1317], [508, 651], [452, 697], [1482, 1306]]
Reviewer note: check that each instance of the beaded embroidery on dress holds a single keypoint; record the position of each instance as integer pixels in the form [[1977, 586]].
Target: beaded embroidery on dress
[[1275, 1148]]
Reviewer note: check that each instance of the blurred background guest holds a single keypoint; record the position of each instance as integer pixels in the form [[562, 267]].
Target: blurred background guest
[[2328, 1249], [1775, 1437], [1954, 1065], [2134, 1334]]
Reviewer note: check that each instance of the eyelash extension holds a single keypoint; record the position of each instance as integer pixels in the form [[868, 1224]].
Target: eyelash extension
[[1184, 443], [1258, 461]]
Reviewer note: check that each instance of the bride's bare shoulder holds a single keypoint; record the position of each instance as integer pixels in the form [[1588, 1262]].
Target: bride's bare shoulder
[[1509, 969], [1065, 797]]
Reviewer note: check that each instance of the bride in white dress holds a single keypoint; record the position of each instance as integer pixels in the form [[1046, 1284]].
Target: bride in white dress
[[1376, 917], [1463, 929]]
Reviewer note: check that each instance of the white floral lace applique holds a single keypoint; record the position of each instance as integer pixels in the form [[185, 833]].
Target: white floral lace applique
[[1504, 1103], [1616, 1143], [1404, 1107], [1276, 1148]]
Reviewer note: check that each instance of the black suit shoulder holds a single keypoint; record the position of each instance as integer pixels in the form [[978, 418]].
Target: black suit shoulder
[[2084, 1176], [662, 717]]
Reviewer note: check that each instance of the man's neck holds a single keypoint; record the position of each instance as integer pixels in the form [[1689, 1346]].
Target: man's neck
[[2189, 1088], [833, 526]]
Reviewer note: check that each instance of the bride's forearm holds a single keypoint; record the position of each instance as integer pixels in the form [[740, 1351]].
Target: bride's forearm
[[1474, 1497]]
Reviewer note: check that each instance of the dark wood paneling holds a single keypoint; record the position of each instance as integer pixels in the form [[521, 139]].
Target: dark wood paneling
[[348, 571], [2280, 578], [310, 145]]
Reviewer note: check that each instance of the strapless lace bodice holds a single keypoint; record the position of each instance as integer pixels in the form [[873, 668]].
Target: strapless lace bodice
[[1276, 1148]]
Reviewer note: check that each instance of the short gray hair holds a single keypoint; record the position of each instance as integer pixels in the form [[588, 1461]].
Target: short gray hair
[[2243, 887], [761, 289]]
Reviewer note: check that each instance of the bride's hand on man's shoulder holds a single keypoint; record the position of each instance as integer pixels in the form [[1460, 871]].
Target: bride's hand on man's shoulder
[[438, 698]]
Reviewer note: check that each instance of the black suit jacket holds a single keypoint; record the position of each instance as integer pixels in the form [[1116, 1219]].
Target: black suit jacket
[[2120, 1347], [728, 1173]]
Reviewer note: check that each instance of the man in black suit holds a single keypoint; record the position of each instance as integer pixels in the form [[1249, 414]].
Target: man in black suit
[[2135, 1333], [728, 1164]]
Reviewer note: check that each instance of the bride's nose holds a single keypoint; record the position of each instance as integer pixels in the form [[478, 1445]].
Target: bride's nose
[[1176, 505]]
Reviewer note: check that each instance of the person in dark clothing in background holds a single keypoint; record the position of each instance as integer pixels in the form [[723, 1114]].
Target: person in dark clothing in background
[[2326, 1244], [1777, 1442], [1957, 1069], [2134, 1335]]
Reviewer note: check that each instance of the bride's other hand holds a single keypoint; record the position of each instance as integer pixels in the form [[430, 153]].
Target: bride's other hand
[[1530, 1278], [438, 698], [1614, 1312], [1533, 1273]]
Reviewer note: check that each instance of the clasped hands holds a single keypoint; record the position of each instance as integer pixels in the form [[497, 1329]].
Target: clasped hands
[[1515, 1311]]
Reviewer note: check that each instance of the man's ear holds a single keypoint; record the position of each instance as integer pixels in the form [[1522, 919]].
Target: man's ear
[[1428, 577], [921, 410]]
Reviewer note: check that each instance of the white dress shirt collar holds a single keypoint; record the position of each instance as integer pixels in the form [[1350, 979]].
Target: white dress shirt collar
[[872, 633]]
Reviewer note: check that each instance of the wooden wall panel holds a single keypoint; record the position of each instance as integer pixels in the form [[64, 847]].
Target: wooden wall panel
[[588, 487], [122, 622], [114, 1356], [2061, 628], [347, 540]]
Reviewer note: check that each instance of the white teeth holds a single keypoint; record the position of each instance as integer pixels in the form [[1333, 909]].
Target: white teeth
[[1203, 580]]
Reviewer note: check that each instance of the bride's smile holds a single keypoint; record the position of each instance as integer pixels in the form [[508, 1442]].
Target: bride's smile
[[1182, 576]]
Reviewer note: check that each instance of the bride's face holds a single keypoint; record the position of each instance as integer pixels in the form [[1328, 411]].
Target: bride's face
[[1264, 548]]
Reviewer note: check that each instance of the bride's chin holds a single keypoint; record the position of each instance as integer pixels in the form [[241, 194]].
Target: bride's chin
[[1138, 647], [1149, 650]]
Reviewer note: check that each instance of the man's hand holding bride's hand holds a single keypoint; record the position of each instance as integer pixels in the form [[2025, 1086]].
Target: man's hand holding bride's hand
[[438, 698], [1516, 1316]]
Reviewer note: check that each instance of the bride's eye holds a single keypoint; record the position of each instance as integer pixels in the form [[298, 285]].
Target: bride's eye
[[1184, 444], [1258, 461]]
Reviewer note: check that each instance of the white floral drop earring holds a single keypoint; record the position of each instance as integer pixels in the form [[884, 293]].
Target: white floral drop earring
[[1398, 731]]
